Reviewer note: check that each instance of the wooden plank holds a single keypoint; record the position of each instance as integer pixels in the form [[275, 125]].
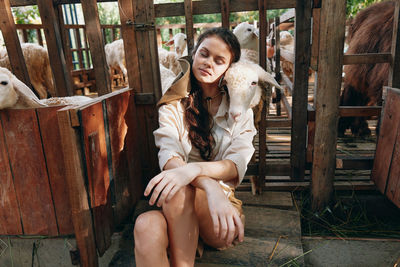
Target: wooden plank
[[316, 16], [51, 141], [394, 70], [300, 89], [28, 166], [61, 73], [386, 140], [95, 148], [189, 24], [332, 29], [66, 42], [212, 6], [14, 51], [278, 123], [78, 197], [371, 58], [393, 181], [96, 45], [277, 65], [268, 198], [288, 15], [10, 218], [352, 111], [125, 153], [225, 13]]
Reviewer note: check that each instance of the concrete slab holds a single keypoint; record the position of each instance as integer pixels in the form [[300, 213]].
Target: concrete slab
[[352, 253]]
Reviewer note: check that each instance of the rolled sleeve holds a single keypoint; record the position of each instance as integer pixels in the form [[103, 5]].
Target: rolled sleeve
[[167, 137], [241, 148]]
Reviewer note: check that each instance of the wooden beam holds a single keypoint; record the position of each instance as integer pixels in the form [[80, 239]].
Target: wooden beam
[[300, 89], [316, 16], [332, 29], [189, 24], [78, 197], [288, 15], [14, 51], [394, 71], [96, 44], [352, 111], [371, 58], [61, 73], [225, 13], [278, 93]]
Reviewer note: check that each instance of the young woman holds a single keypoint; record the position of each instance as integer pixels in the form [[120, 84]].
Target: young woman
[[202, 159]]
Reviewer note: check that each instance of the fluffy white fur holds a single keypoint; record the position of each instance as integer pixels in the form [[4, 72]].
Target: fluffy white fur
[[246, 81], [115, 55], [38, 66], [15, 94], [179, 42], [167, 78], [247, 35], [169, 60]]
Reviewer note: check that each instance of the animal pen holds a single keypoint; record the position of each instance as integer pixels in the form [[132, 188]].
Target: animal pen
[[99, 155]]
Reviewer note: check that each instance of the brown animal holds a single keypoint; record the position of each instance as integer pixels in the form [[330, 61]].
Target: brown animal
[[369, 32]]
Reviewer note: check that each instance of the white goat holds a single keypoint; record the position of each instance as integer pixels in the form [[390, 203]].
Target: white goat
[[247, 35], [38, 66], [15, 94], [179, 43], [169, 60], [246, 81], [115, 56]]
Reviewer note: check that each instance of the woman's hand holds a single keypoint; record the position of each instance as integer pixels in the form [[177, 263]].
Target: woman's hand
[[225, 217], [168, 182]]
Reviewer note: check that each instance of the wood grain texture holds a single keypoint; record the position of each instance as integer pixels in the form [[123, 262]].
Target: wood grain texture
[[394, 70], [24, 145], [94, 141], [78, 196], [10, 219], [52, 147], [331, 43]]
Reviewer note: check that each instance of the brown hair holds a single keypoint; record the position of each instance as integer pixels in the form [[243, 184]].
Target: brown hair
[[197, 118]]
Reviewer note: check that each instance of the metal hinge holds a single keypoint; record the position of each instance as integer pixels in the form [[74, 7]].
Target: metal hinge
[[141, 26]]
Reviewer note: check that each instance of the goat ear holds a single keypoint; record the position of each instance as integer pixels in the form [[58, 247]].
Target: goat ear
[[25, 93], [266, 77], [256, 32], [169, 43]]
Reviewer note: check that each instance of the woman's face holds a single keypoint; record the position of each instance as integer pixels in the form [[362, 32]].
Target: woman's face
[[211, 60]]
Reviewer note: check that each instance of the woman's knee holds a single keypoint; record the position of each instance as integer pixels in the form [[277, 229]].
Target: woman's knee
[[150, 230], [182, 202]]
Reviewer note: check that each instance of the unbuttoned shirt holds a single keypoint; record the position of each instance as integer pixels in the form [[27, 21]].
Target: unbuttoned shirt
[[233, 142]]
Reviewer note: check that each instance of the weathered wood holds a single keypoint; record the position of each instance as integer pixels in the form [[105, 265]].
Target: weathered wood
[[277, 56], [258, 183], [278, 123], [14, 51], [394, 70], [95, 148], [96, 44], [387, 137], [10, 219], [330, 60], [212, 6], [78, 197], [371, 58], [288, 15], [316, 17], [66, 42], [225, 13], [393, 187], [61, 73], [28, 167], [267, 199], [189, 24], [125, 153], [300, 89], [51, 141]]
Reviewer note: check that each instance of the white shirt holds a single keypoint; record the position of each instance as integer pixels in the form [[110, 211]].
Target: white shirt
[[231, 142]]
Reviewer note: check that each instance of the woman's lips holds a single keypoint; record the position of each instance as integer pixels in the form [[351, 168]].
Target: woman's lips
[[204, 72]]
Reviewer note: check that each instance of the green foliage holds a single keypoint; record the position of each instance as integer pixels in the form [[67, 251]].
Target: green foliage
[[109, 15], [26, 15], [354, 6]]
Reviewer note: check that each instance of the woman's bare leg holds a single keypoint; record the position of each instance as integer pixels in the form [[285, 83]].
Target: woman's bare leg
[[183, 230], [206, 227], [151, 239]]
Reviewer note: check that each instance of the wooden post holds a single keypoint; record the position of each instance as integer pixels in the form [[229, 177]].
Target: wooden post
[[300, 89], [277, 65], [61, 73], [262, 171], [14, 51], [81, 215], [330, 60], [96, 44], [189, 24], [394, 71], [225, 13]]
